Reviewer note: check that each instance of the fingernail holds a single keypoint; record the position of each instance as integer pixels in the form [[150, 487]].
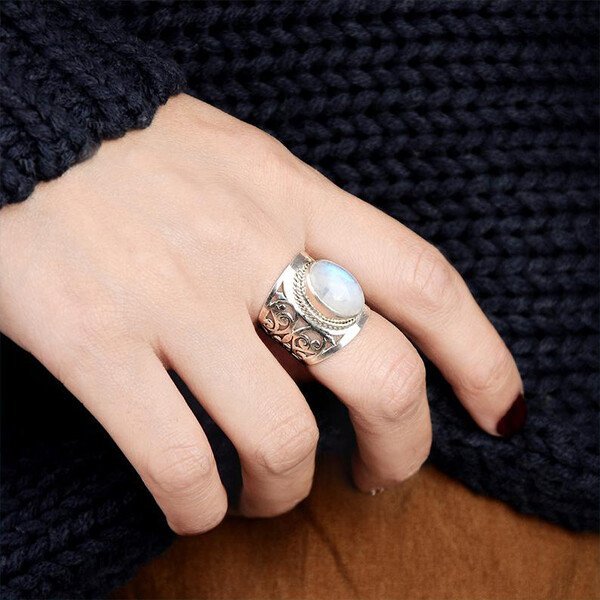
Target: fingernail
[[376, 491], [514, 419]]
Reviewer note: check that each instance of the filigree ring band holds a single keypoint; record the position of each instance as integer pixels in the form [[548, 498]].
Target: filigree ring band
[[315, 308]]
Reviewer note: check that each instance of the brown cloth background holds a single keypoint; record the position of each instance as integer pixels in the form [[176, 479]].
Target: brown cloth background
[[429, 539]]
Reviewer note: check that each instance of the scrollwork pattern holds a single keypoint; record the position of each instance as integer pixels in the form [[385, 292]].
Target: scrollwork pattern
[[283, 323]]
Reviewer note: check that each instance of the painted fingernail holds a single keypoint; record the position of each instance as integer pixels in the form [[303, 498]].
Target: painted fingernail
[[514, 419], [376, 491]]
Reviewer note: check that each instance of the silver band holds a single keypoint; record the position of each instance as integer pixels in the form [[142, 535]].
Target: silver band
[[293, 316]]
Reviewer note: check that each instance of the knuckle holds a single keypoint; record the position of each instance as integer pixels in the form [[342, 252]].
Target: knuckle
[[92, 322], [206, 521], [431, 277], [93, 330], [236, 229], [288, 445], [182, 470], [491, 371], [268, 147], [257, 145], [401, 386], [270, 162], [213, 225], [157, 268]]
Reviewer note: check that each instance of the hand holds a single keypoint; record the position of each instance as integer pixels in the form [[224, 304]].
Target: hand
[[158, 253]]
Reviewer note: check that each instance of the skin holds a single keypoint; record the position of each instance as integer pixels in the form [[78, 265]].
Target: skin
[[158, 253]]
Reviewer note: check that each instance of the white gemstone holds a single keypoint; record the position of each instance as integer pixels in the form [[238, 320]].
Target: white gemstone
[[336, 289]]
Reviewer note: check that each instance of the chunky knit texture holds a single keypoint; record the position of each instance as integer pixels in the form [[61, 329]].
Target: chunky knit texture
[[68, 81], [474, 123]]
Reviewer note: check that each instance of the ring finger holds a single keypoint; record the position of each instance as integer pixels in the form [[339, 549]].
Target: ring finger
[[411, 283]]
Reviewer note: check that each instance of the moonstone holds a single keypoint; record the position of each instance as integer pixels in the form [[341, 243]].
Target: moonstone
[[336, 289]]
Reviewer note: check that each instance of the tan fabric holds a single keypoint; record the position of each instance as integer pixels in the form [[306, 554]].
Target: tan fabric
[[430, 539]]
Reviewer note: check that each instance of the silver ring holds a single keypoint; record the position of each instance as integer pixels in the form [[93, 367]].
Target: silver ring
[[314, 309]]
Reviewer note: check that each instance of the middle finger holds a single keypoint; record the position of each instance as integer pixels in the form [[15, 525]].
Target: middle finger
[[254, 401], [381, 379]]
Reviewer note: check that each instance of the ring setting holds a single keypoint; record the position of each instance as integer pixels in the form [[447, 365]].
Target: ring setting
[[315, 308]]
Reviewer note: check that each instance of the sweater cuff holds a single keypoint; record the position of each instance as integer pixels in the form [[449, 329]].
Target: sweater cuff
[[69, 79]]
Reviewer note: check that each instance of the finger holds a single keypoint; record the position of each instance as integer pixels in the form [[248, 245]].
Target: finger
[[258, 406], [410, 282], [140, 407], [381, 379]]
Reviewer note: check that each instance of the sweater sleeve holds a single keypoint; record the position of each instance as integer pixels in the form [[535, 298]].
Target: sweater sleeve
[[69, 78]]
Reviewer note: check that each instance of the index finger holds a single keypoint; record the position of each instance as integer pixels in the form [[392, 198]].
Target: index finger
[[409, 281]]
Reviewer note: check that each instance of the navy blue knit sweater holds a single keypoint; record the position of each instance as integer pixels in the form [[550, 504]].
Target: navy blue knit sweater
[[474, 123]]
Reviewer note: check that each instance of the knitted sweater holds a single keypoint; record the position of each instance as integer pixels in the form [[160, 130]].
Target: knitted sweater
[[474, 123]]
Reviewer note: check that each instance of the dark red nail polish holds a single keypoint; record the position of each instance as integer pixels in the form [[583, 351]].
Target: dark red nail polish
[[514, 419]]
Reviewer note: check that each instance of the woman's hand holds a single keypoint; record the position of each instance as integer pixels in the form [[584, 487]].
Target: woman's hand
[[159, 252]]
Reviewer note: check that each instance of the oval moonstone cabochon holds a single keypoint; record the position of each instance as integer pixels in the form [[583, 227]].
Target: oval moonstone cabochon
[[336, 289]]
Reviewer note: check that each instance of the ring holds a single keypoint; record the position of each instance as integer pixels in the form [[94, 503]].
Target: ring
[[314, 309]]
